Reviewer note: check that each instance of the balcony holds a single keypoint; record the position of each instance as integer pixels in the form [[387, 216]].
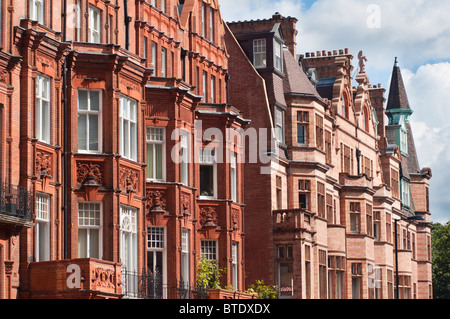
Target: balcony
[[16, 205], [85, 278]]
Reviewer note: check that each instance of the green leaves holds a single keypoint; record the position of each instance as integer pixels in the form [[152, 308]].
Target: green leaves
[[208, 274], [263, 291], [440, 243]]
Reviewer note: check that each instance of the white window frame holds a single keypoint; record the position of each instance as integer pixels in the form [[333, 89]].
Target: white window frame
[[184, 153], [154, 49], [128, 237], [128, 116], [88, 112], [163, 62], [405, 192], [209, 248], [260, 50], [156, 136], [96, 226], [37, 8], [279, 124], [212, 89], [94, 26], [277, 55], [233, 176], [158, 245], [43, 132], [208, 158], [235, 265], [185, 260], [42, 225]]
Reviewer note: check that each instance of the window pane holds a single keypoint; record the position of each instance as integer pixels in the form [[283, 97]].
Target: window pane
[[93, 132], [94, 100], [150, 161], [206, 180], [46, 121], [82, 243], [82, 131], [82, 100], [94, 243], [158, 161]]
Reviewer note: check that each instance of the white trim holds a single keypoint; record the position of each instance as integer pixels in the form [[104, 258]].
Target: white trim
[[88, 111], [89, 227], [153, 142], [42, 80]]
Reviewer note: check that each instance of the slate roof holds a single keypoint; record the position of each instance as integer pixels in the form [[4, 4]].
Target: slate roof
[[397, 94]]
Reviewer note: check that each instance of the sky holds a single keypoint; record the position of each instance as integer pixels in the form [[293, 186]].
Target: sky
[[415, 31]]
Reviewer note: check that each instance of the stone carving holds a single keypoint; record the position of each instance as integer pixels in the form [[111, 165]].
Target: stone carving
[[185, 206], [9, 267], [235, 218], [362, 59], [208, 217], [89, 171], [129, 179], [43, 163], [104, 277], [156, 199]]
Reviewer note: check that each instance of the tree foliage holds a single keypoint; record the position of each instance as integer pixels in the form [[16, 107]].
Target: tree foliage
[[440, 242], [208, 274]]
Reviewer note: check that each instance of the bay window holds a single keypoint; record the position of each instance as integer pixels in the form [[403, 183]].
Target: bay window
[[43, 108], [89, 230], [89, 121], [155, 153], [128, 127]]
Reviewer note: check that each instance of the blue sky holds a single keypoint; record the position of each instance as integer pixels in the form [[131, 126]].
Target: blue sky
[[415, 31]]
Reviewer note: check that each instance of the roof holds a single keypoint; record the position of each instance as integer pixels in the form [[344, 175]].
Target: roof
[[397, 94], [295, 80]]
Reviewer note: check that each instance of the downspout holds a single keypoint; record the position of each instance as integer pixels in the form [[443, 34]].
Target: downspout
[[127, 25], [65, 132]]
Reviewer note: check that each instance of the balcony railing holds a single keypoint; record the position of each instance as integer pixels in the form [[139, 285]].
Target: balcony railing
[[142, 285], [15, 201]]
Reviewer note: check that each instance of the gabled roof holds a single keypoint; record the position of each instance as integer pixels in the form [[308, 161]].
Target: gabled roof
[[397, 94]]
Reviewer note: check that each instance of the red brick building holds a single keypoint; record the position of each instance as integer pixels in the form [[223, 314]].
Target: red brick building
[[321, 222], [103, 172]]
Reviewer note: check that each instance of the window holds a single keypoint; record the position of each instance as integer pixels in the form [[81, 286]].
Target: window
[[204, 86], [211, 25], [395, 183], [345, 106], [405, 192], [404, 287], [94, 25], [213, 86], [369, 220], [234, 265], [37, 10], [43, 108], [330, 212], [355, 218], [154, 57], [308, 271], [388, 228], [128, 128], [128, 237], [259, 53], [111, 34], [376, 226], [328, 154], [346, 159], [403, 141], [322, 274], [302, 127], [279, 123], [356, 280], [77, 11], [233, 176], [207, 173], [184, 155], [162, 6], [414, 246], [89, 121], [155, 153], [203, 20], [209, 249], [185, 257], [279, 204], [89, 230], [42, 227], [366, 166], [390, 284], [156, 263], [277, 56], [336, 275], [321, 200], [163, 62], [303, 193], [319, 132], [285, 270]]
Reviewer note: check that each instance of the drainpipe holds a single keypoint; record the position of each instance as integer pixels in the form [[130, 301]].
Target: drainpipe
[[127, 25], [65, 132]]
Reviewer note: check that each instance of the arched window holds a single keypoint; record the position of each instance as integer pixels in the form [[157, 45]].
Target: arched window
[[345, 105], [365, 118]]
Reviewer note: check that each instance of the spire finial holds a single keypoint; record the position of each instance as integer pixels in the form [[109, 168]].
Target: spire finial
[[396, 62]]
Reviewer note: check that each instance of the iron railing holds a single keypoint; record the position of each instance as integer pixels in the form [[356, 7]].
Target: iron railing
[[16, 201], [143, 285]]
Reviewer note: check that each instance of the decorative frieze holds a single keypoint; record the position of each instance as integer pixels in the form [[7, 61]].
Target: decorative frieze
[[43, 164], [208, 217], [90, 171], [129, 179]]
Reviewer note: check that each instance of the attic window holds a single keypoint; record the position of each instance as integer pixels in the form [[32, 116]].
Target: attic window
[[259, 53], [277, 56]]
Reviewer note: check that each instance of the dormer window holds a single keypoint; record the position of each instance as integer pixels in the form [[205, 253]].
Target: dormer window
[[278, 62], [259, 53]]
